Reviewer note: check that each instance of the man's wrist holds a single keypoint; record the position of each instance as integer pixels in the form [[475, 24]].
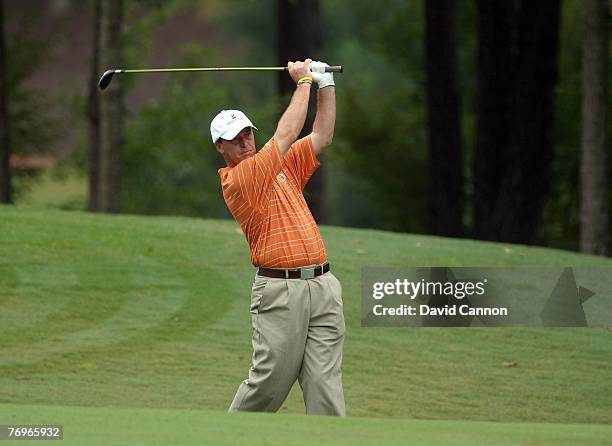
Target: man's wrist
[[304, 80]]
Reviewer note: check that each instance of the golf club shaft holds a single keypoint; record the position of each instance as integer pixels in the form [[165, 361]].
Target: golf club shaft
[[108, 74], [334, 69]]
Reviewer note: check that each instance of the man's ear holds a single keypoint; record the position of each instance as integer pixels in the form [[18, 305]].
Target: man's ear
[[218, 147]]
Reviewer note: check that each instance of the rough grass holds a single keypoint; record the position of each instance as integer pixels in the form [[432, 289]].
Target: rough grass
[[99, 310]]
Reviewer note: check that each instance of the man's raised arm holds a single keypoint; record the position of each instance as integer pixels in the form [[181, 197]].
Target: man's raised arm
[[325, 119], [291, 123]]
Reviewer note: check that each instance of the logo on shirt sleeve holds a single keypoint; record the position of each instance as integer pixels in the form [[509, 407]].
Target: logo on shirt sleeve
[[281, 178]]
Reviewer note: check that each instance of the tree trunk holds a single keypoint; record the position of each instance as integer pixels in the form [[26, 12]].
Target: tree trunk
[[517, 73], [5, 148], [594, 179], [93, 114], [111, 109], [445, 150], [299, 37]]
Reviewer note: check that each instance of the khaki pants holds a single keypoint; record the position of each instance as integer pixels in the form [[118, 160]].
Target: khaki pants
[[298, 333]]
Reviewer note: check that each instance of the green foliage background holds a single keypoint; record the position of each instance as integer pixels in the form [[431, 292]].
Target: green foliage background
[[377, 171]]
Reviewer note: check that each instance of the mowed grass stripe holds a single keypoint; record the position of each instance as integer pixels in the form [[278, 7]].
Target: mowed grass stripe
[[161, 305], [135, 427], [189, 346], [82, 306], [107, 269]]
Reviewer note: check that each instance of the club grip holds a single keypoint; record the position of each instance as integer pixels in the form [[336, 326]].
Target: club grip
[[334, 69]]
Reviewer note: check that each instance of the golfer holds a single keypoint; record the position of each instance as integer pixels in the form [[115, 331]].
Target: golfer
[[296, 302]]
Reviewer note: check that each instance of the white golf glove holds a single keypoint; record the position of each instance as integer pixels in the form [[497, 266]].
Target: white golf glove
[[320, 76]]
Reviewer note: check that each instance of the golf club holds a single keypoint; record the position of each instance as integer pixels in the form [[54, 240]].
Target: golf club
[[108, 74]]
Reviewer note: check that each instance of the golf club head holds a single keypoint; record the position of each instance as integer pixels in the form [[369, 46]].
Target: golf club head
[[106, 79]]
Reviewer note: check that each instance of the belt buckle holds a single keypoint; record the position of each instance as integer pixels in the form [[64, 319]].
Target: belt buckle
[[307, 273]]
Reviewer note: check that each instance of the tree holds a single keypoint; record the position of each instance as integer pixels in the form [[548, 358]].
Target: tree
[[299, 37], [594, 178], [445, 148], [107, 153], [5, 168], [93, 114], [517, 73]]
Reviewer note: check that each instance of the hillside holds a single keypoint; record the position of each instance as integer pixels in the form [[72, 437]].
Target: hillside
[[143, 312]]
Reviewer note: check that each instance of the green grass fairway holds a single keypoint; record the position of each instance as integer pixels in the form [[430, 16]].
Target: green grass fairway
[[153, 313], [134, 427]]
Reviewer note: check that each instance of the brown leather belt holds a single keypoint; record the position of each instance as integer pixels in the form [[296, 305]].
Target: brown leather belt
[[308, 272]]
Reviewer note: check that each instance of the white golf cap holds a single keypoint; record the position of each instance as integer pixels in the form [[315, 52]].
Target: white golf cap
[[228, 123]]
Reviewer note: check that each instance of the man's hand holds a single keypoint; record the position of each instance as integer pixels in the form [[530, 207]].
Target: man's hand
[[298, 70], [320, 76]]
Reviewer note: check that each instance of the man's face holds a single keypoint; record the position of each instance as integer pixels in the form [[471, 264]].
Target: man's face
[[237, 149]]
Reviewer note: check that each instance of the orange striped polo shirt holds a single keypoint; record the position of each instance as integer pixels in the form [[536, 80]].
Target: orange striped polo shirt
[[264, 194]]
